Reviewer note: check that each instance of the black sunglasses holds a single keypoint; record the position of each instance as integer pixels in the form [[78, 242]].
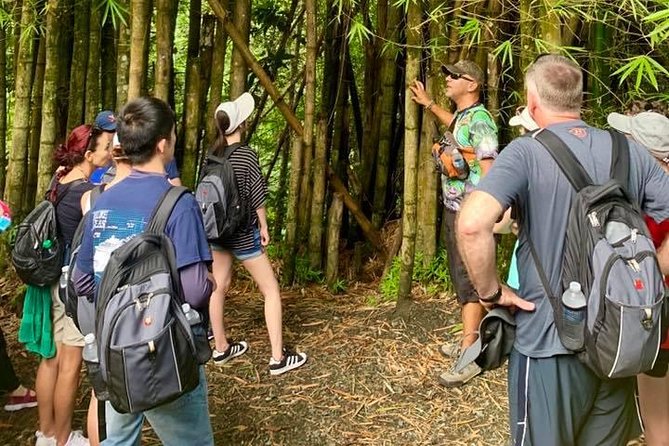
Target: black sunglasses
[[93, 136], [456, 76]]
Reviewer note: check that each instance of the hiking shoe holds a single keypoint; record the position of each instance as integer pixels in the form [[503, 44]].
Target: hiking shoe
[[77, 439], [290, 361], [234, 349], [43, 440], [453, 379], [450, 350], [15, 403]]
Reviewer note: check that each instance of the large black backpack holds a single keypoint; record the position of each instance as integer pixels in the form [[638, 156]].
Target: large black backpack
[[217, 193], [74, 304], [38, 253], [147, 350], [609, 252]]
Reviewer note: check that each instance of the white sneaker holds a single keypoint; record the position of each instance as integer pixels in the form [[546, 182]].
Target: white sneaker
[[43, 440], [77, 439], [290, 361]]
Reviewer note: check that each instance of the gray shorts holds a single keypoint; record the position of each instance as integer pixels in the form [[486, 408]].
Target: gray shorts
[[558, 401]]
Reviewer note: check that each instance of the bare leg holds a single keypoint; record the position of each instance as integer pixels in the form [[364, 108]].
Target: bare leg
[[654, 405], [472, 315], [45, 386], [92, 421], [263, 275], [222, 272], [65, 392]]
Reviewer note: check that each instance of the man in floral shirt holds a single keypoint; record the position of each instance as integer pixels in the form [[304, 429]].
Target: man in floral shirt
[[473, 127]]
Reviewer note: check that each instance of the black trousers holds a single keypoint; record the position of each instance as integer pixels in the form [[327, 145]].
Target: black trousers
[[8, 380]]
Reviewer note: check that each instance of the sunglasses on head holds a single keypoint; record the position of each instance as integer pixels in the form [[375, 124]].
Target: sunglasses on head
[[456, 76], [92, 136]]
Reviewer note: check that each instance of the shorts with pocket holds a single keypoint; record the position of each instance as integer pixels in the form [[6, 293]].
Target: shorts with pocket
[[64, 330], [248, 253]]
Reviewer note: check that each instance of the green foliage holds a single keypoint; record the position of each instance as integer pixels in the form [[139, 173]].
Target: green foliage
[[114, 10], [471, 31], [304, 274], [660, 21], [339, 286], [359, 32], [433, 275], [645, 67]]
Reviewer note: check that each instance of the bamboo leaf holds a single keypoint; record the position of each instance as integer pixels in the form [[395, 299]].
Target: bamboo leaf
[[359, 32], [505, 49]]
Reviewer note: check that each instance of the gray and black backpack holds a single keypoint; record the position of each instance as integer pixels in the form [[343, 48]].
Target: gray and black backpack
[[148, 353], [608, 250], [217, 193]]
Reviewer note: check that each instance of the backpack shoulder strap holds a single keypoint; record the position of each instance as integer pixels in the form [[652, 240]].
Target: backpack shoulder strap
[[95, 193], [620, 158], [163, 209], [564, 158]]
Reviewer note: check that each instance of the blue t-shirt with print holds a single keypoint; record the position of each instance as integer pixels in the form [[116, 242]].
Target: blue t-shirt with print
[[123, 211]]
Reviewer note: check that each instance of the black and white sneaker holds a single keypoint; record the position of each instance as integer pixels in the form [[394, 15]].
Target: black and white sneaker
[[234, 349], [290, 361]]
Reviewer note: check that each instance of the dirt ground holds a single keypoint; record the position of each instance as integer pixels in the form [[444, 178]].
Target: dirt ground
[[368, 381]]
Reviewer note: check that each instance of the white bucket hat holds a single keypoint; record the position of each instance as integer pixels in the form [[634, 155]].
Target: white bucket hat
[[524, 119], [238, 111]]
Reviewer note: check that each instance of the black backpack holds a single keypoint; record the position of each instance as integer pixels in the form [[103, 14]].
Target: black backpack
[[74, 305], [149, 354], [38, 253], [609, 252], [217, 193]]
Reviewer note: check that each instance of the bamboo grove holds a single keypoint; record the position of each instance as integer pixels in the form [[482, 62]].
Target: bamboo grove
[[343, 149]]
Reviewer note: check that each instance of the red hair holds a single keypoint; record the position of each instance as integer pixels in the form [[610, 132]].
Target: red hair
[[72, 152]]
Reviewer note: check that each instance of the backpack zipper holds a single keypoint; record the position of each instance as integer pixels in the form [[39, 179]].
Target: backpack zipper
[[632, 262]]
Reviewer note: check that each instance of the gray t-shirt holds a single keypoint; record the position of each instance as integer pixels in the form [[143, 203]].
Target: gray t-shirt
[[526, 175]]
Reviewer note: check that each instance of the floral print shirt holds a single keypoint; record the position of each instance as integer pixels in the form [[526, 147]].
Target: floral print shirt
[[474, 127]]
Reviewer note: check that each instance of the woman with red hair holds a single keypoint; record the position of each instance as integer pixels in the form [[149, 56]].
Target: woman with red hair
[[86, 148]]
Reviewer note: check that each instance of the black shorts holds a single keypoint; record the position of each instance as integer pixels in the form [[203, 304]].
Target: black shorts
[[464, 290]]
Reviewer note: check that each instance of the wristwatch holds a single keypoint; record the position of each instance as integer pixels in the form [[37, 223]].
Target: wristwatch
[[494, 298]]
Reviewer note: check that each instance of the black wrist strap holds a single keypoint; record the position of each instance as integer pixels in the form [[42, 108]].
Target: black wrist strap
[[492, 299]]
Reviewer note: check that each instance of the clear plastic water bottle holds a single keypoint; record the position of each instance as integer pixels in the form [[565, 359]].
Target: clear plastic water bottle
[[573, 317], [92, 361], [192, 315], [90, 352], [199, 333], [64, 273], [460, 164]]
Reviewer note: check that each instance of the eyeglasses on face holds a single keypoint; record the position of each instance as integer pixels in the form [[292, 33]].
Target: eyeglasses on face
[[456, 76]]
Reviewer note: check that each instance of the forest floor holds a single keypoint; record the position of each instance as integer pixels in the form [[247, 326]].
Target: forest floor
[[369, 380]]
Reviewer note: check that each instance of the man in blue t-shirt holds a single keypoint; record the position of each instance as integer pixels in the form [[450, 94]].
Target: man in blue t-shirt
[[554, 399], [146, 131]]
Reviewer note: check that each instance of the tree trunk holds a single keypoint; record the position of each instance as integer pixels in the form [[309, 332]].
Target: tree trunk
[[550, 24], [216, 90], [206, 59], [16, 171], [140, 20], [3, 108], [192, 104], [309, 109], [49, 128], [165, 9], [369, 231], [290, 244], [411, 144], [123, 59], [35, 126], [93, 75], [426, 226], [318, 198], [16, 20], [108, 67], [387, 103], [527, 27], [282, 190], [334, 229], [242, 20], [193, 53], [75, 111]]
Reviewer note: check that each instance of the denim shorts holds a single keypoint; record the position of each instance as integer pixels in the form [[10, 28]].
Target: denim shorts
[[244, 254]]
